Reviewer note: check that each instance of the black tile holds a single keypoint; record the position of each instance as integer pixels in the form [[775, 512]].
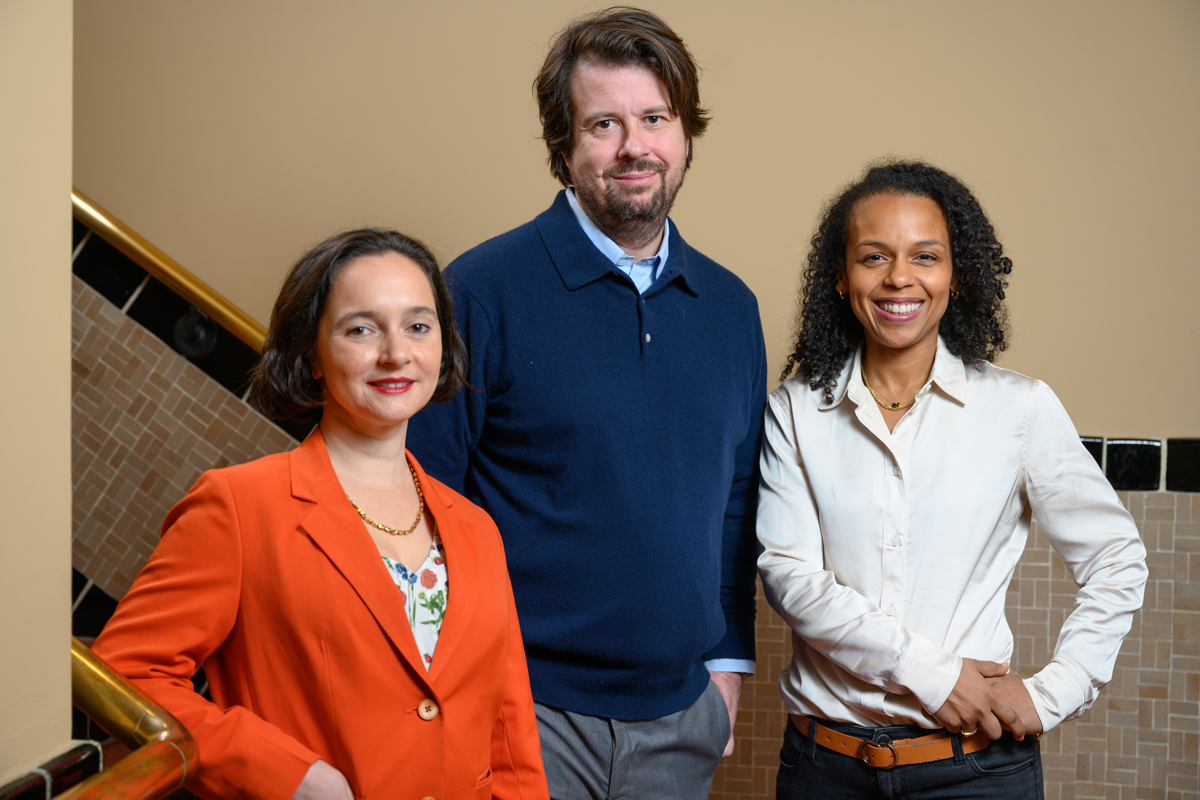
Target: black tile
[[232, 362], [82, 726], [78, 231], [1134, 464], [297, 430], [200, 684], [107, 270], [158, 308], [78, 581], [1183, 465], [1095, 446], [92, 613], [168, 316]]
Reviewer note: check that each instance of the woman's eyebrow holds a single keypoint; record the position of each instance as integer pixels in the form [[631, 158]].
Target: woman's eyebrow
[[373, 315], [352, 315]]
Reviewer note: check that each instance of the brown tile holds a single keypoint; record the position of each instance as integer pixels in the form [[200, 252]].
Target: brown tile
[[1187, 596], [123, 334], [190, 380], [1187, 536], [235, 408]]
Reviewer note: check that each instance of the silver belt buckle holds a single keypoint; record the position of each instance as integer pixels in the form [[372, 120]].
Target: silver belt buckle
[[865, 756]]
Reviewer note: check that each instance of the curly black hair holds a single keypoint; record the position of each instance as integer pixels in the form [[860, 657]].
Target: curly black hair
[[975, 324]]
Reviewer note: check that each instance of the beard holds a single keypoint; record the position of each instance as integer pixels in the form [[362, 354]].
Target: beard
[[619, 213]]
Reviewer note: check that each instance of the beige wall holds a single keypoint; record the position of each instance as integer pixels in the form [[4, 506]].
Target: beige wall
[[35, 471], [232, 134]]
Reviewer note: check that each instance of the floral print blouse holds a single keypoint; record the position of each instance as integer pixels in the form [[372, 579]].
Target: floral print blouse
[[425, 590]]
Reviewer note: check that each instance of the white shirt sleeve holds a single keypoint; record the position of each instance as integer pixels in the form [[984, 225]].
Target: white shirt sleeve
[[1095, 537]]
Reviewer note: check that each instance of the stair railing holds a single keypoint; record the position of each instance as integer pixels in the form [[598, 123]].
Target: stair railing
[[167, 270], [163, 754]]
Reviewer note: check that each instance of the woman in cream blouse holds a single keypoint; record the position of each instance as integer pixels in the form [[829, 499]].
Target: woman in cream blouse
[[899, 472]]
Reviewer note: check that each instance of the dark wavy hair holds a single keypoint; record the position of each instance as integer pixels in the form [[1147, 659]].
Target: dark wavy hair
[[615, 37], [282, 386], [975, 324]]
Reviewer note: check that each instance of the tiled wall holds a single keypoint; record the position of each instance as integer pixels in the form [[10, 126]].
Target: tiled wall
[[145, 424], [1140, 740]]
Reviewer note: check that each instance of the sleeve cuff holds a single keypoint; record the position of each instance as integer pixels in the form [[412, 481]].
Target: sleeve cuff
[[1056, 694], [730, 665], [928, 672]]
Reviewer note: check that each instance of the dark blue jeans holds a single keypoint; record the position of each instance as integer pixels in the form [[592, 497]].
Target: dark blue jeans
[[1005, 770]]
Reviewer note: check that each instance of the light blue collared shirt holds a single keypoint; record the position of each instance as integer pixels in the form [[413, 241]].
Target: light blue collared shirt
[[643, 271]]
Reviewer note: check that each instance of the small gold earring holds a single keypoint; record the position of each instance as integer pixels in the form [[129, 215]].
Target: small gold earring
[[954, 294], [842, 295]]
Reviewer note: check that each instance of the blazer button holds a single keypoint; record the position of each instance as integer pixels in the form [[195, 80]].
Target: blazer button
[[427, 709]]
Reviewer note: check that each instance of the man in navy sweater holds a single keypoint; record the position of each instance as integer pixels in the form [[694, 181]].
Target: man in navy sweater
[[614, 432]]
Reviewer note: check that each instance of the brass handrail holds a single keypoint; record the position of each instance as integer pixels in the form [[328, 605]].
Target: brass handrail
[[167, 270], [164, 753]]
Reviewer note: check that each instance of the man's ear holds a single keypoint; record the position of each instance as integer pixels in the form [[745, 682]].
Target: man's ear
[[565, 155]]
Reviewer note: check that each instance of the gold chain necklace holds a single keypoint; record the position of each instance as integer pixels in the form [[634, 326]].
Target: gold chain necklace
[[888, 406], [396, 531]]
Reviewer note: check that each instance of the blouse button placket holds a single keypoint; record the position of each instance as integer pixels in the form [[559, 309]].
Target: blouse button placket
[[895, 524]]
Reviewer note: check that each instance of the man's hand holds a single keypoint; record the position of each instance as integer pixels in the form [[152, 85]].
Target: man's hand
[[1012, 690], [323, 782], [730, 686], [975, 706]]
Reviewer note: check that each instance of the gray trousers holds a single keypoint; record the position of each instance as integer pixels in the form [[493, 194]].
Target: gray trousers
[[669, 758]]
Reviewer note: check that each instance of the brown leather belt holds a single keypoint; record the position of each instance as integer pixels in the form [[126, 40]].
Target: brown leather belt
[[898, 752]]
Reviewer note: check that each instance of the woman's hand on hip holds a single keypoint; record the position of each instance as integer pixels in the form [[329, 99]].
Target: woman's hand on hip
[[975, 706], [323, 782]]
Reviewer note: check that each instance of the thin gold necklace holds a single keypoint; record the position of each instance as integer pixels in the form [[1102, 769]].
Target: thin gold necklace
[[396, 531], [889, 406]]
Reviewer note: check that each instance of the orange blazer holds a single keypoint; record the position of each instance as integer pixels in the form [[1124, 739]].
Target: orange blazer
[[265, 576]]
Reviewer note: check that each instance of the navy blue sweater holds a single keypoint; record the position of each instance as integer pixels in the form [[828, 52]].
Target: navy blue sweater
[[614, 439]]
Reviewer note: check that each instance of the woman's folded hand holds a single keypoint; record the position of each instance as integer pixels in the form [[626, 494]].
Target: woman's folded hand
[[975, 706], [1012, 689]]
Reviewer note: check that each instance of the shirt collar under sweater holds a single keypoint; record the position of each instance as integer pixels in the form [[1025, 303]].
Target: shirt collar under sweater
[[613, 251], [579, 262]]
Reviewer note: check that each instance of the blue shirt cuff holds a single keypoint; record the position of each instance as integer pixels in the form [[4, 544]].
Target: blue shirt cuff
[[730, 665]]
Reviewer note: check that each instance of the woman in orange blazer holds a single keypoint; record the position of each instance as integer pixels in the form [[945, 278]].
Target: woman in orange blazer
[[332, 673]]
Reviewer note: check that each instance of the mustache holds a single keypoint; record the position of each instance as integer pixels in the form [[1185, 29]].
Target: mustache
[[641, 165]]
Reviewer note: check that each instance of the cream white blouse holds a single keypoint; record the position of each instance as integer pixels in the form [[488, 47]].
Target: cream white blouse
[[889, 553]]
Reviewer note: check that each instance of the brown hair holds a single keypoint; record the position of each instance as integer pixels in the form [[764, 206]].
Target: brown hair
[[618, 36], [282, 385]]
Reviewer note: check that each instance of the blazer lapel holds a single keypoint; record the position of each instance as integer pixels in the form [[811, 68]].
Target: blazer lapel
[[463, 569], [332, 524]]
